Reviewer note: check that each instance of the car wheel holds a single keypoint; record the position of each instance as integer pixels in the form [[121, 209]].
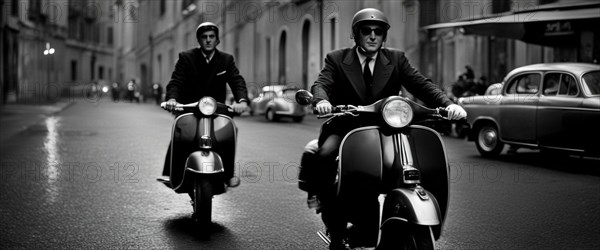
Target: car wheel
[[298, 118], [488, 141], [271, 116]]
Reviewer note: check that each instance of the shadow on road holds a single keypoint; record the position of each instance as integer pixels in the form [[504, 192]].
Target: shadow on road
[[184, 230]]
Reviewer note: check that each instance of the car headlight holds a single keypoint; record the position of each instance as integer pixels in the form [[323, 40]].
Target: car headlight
[[397, 113], [207, 105]]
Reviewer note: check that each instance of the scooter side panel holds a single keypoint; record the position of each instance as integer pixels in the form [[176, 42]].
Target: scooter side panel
[[184, 141], [225, 131], [361, 147], [429, 155], [408, 206]]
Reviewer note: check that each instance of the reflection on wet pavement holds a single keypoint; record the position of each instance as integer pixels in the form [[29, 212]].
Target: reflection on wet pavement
[[52, 156]]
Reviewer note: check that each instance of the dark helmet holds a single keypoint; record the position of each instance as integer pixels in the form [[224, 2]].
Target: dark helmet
[[369, 15], [205, 26]]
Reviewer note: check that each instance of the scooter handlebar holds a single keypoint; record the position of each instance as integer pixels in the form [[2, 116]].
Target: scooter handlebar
[[220, 106]]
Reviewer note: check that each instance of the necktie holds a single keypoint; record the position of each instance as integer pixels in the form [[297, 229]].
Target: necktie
[[368, 77]]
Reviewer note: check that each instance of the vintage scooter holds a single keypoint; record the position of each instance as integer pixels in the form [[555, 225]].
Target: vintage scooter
[[201, 128], [402, 163]]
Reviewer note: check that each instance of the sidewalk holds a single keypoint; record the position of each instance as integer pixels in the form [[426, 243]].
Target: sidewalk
[[15, 118]]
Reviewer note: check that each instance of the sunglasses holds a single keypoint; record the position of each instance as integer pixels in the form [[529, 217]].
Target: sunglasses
[[365, 31]]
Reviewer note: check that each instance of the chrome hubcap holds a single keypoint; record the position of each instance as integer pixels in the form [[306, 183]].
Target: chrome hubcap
[[488, 138]]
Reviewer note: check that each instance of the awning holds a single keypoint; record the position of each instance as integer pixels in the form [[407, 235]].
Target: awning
[[547, 27]]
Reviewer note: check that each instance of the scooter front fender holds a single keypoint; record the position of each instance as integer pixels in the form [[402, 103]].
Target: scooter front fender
[[204, 162], [407, 205], [199, 162]]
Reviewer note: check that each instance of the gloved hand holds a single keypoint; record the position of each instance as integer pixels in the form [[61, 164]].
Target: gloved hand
[[456, 112], [323, 107], [171, 105], [239, 107]]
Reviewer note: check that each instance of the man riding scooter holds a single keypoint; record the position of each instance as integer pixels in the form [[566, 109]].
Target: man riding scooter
[[360, 76], [203, 72]]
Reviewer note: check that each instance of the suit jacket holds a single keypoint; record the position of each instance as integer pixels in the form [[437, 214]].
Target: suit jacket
[[193, 78], [341, 80]]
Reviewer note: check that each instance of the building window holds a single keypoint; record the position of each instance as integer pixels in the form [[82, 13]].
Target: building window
[[332, 24], [35, 7], [73, 70], [101, 73], [282, 58], [97, 33], [14, 8], [268, 58], [159, 66], [427, 12], [305, 52], [162, 7], [109, 36]]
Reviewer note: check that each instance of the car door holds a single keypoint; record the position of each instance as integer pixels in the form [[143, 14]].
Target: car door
[[560, 116], [518, 108]]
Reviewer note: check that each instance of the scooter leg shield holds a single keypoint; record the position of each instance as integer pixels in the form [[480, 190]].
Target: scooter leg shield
[[308, 165], [407, 205]]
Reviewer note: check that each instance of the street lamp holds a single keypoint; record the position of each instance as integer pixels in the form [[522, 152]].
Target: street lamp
[[47, 52]]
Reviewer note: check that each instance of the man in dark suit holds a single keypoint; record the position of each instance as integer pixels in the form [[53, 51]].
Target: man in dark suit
[[347, 79], [204, 71]]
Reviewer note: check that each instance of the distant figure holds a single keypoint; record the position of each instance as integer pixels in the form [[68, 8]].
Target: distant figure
[[132, 93], [157, 93], [480, 86], [115, 91], [469, 74]]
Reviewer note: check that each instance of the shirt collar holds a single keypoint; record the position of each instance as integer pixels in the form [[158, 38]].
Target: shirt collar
[[362, 57], [206, 57]]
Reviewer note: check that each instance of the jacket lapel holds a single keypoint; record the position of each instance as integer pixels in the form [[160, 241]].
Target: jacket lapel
[[351, 67], [383, 71]]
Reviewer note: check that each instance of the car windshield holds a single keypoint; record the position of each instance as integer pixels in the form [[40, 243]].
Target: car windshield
[[591, 83]]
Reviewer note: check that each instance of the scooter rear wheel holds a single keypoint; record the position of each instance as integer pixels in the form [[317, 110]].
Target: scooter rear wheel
[[203, 194]]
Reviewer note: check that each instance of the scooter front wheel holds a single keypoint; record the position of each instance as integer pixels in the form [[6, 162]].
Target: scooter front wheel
[[203, 194], [399, 235]]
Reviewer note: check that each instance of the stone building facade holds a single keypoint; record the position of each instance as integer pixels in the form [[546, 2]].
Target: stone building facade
[[78, 32]]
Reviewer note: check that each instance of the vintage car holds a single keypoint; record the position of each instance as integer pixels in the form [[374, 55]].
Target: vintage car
[[551, 106], [276, 101]]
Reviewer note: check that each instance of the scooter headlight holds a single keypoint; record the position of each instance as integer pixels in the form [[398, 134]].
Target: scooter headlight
[[397, 113], [207, 105]]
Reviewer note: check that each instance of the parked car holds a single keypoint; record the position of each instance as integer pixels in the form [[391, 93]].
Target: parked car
[[552, 106], [276, 101]]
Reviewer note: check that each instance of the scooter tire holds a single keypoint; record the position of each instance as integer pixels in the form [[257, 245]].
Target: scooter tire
[[400, 235], [203, 194]]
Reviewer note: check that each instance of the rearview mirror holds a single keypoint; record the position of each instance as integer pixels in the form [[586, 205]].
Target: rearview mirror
[[303, 97]]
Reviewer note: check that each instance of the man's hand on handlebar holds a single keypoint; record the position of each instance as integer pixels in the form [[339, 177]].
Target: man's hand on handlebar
[[456, 112], [239, 107], [323, 107], [171, 105]]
